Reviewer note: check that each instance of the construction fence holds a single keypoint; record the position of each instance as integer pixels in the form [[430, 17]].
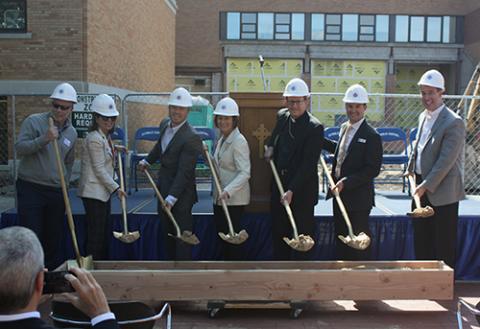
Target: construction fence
[[141, 110]]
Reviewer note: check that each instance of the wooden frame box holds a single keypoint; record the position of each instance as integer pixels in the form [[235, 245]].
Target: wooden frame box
[[274, 281]]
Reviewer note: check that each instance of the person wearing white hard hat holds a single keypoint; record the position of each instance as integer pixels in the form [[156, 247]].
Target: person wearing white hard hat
[[97, 182], [357, 161], [295, 147], [40, 203], [232, 158], [437, 162], [176, 150]]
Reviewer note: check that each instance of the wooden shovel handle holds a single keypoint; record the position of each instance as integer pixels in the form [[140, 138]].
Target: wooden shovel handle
[[413, 187]]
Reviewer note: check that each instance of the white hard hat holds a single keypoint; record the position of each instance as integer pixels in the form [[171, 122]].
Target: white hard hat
[[104, 105], [296, 87], [180, 97], [227, 107], [356, 94], [432, 78], [65, 92]]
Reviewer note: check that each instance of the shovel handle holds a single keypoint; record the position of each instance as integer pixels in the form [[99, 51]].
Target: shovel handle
[[218, 186], [282, 192], [337, 197], [66, 200], [413, 186], [163, 203], [122, 197]]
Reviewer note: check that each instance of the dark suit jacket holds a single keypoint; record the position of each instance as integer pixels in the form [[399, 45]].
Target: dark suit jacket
[[35, 323], [302, 173], [361, 165], [176, 176]]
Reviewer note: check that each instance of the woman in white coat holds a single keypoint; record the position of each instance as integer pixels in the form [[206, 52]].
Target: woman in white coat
[[232, 158], [97, 182]]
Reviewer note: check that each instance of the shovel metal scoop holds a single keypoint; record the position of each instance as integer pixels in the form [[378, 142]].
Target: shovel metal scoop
[[83, 262], [231, 237], [185, 236], [125, 236], [360, 241], [419, 211], [299, 242]]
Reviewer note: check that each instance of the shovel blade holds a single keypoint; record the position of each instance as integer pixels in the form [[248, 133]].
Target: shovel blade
[[422, 212], [303, 243], [85, 263], [127, 237], [237, 238], [360, 241], [187, 237]]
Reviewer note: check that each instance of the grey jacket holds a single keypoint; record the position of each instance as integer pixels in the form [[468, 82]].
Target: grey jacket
[[37, 156], [442, 159]]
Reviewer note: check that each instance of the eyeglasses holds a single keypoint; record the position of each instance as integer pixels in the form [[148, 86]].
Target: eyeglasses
[[61, 107], [104, 118]]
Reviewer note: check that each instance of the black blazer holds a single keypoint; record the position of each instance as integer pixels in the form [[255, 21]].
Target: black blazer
[[35, 323], [176, 176], [302, 173], [361, 165]]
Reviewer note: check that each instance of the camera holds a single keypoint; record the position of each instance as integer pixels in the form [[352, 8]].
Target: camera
[[55, 283]]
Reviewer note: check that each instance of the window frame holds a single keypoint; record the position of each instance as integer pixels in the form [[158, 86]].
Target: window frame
[[22, 3]]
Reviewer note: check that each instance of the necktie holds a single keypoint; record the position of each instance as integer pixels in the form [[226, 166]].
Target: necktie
[[342, 152]]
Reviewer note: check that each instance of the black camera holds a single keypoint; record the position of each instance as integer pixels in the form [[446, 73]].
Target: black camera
[[55, 283]]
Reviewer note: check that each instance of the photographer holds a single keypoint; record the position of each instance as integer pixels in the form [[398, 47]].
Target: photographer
[[22, 278]]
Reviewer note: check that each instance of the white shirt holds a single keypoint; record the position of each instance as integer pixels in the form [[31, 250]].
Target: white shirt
[[428, 122], [352, 131], [169, 134], [31, 315]]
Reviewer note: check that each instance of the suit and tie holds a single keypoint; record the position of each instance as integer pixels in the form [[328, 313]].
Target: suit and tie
[[177, 150], [297, 145], [357, 161], [437, 162]]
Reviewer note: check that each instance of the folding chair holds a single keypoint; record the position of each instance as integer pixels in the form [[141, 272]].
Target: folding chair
[[332, 133], [151, 134], [129, 315], [394, 151], [475, 310]]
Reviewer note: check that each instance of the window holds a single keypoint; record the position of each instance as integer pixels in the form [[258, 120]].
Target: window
[[401, 28], [249, 26], [382, 28], [417, 28], [333, 27], [13, 16], [434, 29], [318, 26], [367, 28], [233, 26], [350, 27], [298, 26], [265, 26], [282, 26], [448, 31]]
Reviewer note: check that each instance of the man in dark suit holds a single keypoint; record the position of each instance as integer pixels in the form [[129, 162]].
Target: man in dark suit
[[177, 150], [437, 163], [357, 161], [295, 146], [21, 277]]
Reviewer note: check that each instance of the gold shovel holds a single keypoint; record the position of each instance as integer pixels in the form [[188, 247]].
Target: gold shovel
[[360, 241], [231, 237], [125, 236], [419, 211], [83, 262], [185, 236], [299, 242]]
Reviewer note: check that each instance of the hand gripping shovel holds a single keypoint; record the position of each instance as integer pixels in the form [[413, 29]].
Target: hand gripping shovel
[[419, 211], [299, 242], [83, 262], [125, 236], [360, 241], [231, 236], [186, 236]]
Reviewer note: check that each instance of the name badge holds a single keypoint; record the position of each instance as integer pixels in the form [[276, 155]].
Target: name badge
[[362, 140], [66, 142]]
